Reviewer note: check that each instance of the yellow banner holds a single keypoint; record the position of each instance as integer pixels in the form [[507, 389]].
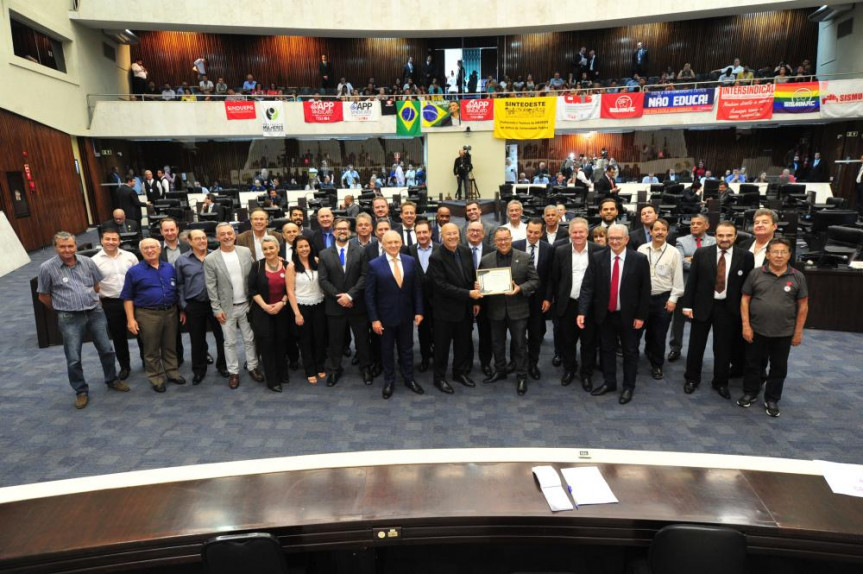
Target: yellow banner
[[524, 118]]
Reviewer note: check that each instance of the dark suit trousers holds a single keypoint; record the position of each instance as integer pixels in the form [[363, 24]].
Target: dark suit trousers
[[656, 329], [401, 336], [677, 323], [270, 341], [517, 331], [760, 351], [457, 334], [313, 338], [612, 329], [726, 331], [337, 325], [483, 327], [425, 331], [535, 329], [462, 182], [116, 316], [198, 315], [570, 335]]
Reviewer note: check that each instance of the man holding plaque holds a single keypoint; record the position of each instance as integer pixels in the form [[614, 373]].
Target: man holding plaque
[[508, 308]]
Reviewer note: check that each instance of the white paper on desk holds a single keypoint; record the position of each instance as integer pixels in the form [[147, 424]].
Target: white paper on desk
[[552, 489], [588, 486], [842, 478]]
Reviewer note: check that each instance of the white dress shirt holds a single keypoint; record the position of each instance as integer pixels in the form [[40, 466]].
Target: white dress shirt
[[113, 271], [759, 254], [518, 233], [580, 261], [666, 270]]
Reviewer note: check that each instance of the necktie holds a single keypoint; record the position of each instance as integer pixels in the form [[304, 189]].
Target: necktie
[[408, 238], [720, 273], [533, 254], [698, 243], [397, 273], [328, 240], [615, 280], [647, 235], [475, 258], [342, 256]]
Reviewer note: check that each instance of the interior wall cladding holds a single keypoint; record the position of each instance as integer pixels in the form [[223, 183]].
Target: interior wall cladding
[[57, 203], [759, 39]]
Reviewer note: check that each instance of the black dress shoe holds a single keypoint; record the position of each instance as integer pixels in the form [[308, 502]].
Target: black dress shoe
[[625, 396], [534, 373], [521, 387], [377, 369], [464, 380], [388, 390], [557, 360], [224, 373], [423, 366], [494, 377], [160, 388], [510, 367], [123, 375], [689, 387], [443, 386], [567, 378], [334, 377], [196, 380], [277, 388], [209, 359], [656, 373], [673, 355], [355, 360], [722, 390], [178, 381], [412, 385], [487, 370], [587, 383], [601, 390], [367, 376]]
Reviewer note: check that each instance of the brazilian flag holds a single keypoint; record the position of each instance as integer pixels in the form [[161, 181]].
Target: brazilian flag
[[435, 114], [407, 118]]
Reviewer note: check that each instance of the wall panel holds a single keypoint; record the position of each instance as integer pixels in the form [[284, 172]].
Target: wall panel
[[57, 202]]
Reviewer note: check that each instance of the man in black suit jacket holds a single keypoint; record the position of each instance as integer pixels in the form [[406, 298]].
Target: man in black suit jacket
[[323, 237], [606, 186], [126, 199], [152, 187], [712, 299], [640, 60], [451, 283], [421, 250], [342, 275], [540, 253], [563, 283], [478, 248], [619, 299], [121, 224]]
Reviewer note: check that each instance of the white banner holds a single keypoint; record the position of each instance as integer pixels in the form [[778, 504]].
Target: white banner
[[842, 99], [272, 118], [361, 111], [577, 108]]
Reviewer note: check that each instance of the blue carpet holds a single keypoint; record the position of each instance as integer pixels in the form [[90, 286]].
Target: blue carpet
[[43, 437]]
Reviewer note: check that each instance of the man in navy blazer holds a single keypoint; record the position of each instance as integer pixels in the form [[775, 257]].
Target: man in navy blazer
[[617, 317], [541, 254], [394, 299]]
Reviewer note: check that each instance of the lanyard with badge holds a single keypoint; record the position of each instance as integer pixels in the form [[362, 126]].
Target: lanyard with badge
[[658, 259]]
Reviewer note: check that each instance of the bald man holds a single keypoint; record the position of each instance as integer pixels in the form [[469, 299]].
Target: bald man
[[120, 223]]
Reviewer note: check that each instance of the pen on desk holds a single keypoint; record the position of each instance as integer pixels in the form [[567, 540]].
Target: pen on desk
[[573, 498]]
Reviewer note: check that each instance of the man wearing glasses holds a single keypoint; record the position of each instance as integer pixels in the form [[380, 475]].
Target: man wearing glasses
[[773, 307]]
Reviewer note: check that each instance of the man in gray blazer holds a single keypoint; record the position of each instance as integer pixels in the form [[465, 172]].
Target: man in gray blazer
[[687, 245], [472, 212], [511, 309], [226, 271]]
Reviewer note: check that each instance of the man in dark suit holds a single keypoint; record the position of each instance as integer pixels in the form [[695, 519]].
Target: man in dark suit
[[298, 216], [151, 186], [395, 303], [592, 66], [126, 199], [712, 299], [453, 293], [540, 254], [510, 310], [121, 224], [422, 249], [616, 289], [640, 60], [406, 228], [568, 269], [342, 275], [323, 237], [473, 212], [408, 70], [376, 247], [209, 205], [606, 186], [554, 230], [479, 247], [641, 232]]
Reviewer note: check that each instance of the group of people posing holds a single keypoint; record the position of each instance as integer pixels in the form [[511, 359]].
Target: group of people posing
[[291, 293]]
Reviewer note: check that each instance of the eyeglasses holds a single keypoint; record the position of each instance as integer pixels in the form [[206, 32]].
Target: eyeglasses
[[615, 238]]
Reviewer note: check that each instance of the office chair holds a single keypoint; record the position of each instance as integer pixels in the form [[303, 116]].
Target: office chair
[[256, 552], [688, 548]]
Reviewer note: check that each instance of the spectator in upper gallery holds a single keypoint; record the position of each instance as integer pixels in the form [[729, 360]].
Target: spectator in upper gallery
[[699, 170], [727, 77], [274, 90], [787, 177], [221, 87], [781, 77], [206, 84], [199, 66], [687, 73], [168, 94], [640, 59], [434, 88], [633, 83], [592, 65], [187, 94], [579, 64], [556, 82], [250, 84], [232, 96], [746, 75], [529, 84], [612, 87], [344, 87], [779, 67], [736, 67]]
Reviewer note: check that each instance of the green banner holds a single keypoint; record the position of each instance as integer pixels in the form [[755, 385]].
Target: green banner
[[407, 118]]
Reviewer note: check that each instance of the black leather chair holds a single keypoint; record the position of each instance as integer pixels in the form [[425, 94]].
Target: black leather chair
[[257, 552], [689, 548]]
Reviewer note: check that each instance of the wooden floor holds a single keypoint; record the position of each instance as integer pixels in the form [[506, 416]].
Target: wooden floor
[[340, 508]]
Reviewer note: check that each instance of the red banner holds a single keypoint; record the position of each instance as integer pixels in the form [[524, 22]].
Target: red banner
[[240, 110], [323, 112], [742, 103], [477, 110], [622, 106]]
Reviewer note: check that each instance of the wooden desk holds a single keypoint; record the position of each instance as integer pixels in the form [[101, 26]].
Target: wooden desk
[[340, 508]]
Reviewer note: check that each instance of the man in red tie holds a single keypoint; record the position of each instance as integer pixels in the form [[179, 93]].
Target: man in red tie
[[617, 289]]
